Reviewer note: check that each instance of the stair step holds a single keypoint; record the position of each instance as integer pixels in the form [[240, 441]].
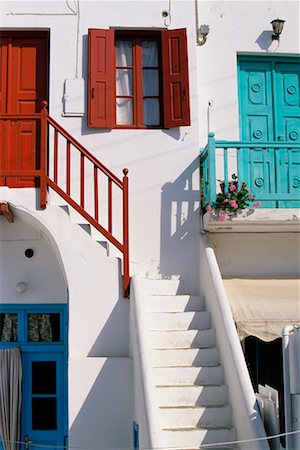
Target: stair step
[[192, 395], [76, 217], [193, 437], [205, 357], [174, 303], [185, 376], [160, 287], [179, 321], [202, 417], [182, 339]]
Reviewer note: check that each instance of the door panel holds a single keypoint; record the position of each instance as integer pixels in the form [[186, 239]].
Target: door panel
[[23, 84], [270, 111], [42, 416], [22, 149], [256, 101], [3, 74], [287, 82]]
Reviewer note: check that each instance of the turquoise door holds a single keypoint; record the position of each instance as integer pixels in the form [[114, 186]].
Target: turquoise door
[[42, 420], [269, 94]]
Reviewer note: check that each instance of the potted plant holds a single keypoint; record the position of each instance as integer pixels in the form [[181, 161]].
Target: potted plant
[[229, 201]]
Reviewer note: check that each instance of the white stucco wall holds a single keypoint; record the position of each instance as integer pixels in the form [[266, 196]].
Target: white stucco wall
[[155, 158], [41, 273], [67, 260], [257, 255]]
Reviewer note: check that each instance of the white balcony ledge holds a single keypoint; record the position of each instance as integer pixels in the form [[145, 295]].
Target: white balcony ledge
[[260, 220]]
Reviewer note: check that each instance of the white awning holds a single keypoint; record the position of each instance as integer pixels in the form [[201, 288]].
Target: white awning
[[262, 307]]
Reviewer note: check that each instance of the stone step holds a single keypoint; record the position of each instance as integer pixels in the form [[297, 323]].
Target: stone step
[[174, 303], [188, 376], [202, 417], [160, 287], [192, 396], [205, 357], [194, 437], [182, 339], [179, 321], [76, 217]]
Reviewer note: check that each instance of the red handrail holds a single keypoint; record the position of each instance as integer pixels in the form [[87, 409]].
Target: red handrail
[[48, 123]]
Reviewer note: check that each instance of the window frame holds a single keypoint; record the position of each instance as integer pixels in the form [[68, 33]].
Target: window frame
[[136, 37], [174, 77], [23, 311]]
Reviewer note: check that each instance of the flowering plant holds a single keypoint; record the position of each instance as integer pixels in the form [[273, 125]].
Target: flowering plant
[[228, 202]]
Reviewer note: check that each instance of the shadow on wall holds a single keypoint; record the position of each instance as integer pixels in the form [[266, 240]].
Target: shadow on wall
[[264, 40], [180, 228], [104, 419], [113, 340]]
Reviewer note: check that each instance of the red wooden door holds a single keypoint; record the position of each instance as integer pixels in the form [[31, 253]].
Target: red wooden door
[[23, 86]]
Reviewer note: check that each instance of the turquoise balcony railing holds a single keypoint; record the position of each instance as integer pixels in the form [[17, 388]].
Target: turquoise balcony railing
[[271, 170]]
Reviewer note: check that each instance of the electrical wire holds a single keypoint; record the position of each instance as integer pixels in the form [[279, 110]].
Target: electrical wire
[[216, 444], [168, 19]]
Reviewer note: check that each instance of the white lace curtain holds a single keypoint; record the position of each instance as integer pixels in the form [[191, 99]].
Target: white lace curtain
[[39, 328], [10, 397], [124, 82]]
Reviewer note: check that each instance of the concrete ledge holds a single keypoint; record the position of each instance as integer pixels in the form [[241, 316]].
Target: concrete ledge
[[255, 221]]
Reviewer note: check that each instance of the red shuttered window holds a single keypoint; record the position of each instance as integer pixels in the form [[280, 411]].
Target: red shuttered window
[[138, 79]]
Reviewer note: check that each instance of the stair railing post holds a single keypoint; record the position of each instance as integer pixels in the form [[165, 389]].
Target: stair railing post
[[126, 276], [43, 156], [212, 192]]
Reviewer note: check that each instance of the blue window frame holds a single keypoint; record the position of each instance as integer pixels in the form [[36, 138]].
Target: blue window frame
[[40, 331]]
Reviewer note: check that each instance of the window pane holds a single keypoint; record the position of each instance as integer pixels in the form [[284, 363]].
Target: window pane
[[150, 82], [44, 413], [124, 111], [44, 377], [124, 82], [9, 327], [124, 53], [151, 111], [43, 327], [150, 54]]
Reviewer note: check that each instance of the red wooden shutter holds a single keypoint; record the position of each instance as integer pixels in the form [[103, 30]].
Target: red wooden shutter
[[101, 85], [3, 74], [175, 78]]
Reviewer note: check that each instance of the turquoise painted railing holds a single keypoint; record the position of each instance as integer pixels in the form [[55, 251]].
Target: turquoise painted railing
[[271, 170]]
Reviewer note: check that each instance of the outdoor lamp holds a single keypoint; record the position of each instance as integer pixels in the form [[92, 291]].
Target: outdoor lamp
[[277, 25]]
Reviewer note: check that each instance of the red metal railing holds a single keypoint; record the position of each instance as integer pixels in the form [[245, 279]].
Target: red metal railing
[[62, 152]]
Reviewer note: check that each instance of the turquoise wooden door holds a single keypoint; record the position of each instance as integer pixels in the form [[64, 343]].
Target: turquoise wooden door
[[269, 91], [42, 418]]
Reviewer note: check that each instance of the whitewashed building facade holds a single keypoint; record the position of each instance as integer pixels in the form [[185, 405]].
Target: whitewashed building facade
[[131, 315]]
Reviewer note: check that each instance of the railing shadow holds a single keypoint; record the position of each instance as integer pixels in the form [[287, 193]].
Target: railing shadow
[[180, 226]]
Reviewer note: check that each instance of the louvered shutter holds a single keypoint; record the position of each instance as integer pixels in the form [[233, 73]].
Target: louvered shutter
[[175, 78], [101, 81]]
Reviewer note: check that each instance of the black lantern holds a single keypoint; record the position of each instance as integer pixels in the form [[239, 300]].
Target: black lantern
[[277, 25]]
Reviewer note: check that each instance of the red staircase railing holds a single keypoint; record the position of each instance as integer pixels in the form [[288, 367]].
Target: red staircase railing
[[54, 138]]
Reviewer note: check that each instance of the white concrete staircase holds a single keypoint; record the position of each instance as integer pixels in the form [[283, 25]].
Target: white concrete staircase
[[191, 395]]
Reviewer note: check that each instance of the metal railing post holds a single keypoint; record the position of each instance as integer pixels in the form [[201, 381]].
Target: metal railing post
[[126, 277], [212, 192], [43, 156]]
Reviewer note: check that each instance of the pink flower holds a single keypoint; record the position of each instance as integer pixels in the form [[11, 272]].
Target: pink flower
[[223, 217], [233, 204], [232, 188], [256, 205], [226, 200], [208, 208], [250, 197]]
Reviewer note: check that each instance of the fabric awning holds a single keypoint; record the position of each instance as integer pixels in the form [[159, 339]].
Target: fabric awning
[[262, 307]]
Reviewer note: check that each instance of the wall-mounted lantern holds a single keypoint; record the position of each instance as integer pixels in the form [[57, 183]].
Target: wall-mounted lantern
[[277, 25]]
